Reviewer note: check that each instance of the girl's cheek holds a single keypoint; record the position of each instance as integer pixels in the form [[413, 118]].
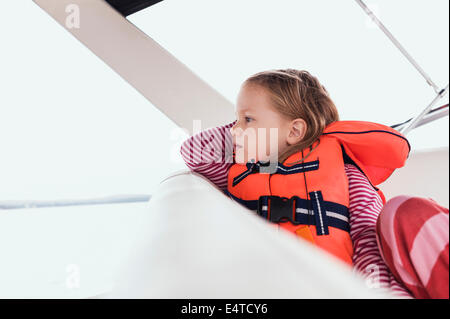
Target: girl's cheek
[[239, 156], [243, 155]]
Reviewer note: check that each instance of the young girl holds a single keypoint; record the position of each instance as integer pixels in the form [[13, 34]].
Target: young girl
[[321, 187]]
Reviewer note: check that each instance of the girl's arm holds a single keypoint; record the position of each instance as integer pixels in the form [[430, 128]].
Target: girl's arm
[[209, 153], [365, 206]]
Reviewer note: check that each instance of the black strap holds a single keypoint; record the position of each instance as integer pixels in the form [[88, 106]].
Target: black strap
[[281, 169], [280, 209]]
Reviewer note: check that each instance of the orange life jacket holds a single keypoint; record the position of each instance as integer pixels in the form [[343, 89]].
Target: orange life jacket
[[311, 198]]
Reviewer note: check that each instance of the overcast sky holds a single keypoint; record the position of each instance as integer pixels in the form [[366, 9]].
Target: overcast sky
[[72, 128]]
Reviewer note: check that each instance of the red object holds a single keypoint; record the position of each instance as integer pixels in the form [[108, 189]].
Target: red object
[[413, 237]]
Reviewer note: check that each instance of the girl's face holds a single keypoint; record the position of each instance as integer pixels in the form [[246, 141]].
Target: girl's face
[[260, 133]]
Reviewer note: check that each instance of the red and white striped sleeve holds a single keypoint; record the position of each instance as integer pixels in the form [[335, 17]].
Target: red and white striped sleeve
[[365, 206], [206, 153], [209, 153]]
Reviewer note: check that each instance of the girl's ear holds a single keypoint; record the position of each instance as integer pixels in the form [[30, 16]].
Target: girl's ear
[[297, 131]]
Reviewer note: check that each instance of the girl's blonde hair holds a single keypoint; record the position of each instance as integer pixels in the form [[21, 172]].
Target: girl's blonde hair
[[298, 94]]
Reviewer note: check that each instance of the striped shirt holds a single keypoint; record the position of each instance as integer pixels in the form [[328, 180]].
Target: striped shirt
[[208, 153]]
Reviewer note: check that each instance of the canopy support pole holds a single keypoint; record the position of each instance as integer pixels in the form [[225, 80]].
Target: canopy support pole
[[431, 116], [419, 117], [398, 45]]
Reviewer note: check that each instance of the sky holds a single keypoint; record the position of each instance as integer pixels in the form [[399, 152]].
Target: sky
[[70, 127]]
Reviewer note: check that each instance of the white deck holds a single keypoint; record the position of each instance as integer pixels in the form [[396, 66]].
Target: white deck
[[42, 249]]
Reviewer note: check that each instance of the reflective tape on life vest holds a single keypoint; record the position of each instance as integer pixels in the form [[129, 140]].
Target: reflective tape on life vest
[[319, 213]]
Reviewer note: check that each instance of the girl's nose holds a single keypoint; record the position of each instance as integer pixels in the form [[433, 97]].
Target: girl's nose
[[236, 129]]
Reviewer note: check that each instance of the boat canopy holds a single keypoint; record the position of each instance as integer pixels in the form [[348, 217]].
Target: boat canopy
[[127, 7]]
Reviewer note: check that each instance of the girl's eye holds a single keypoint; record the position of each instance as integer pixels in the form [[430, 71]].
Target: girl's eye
[[248, 119]]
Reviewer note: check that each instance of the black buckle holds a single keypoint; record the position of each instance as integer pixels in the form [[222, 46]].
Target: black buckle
[[281, 209]]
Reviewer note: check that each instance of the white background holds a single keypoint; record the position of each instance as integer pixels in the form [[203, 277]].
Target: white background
[[72, 128]]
